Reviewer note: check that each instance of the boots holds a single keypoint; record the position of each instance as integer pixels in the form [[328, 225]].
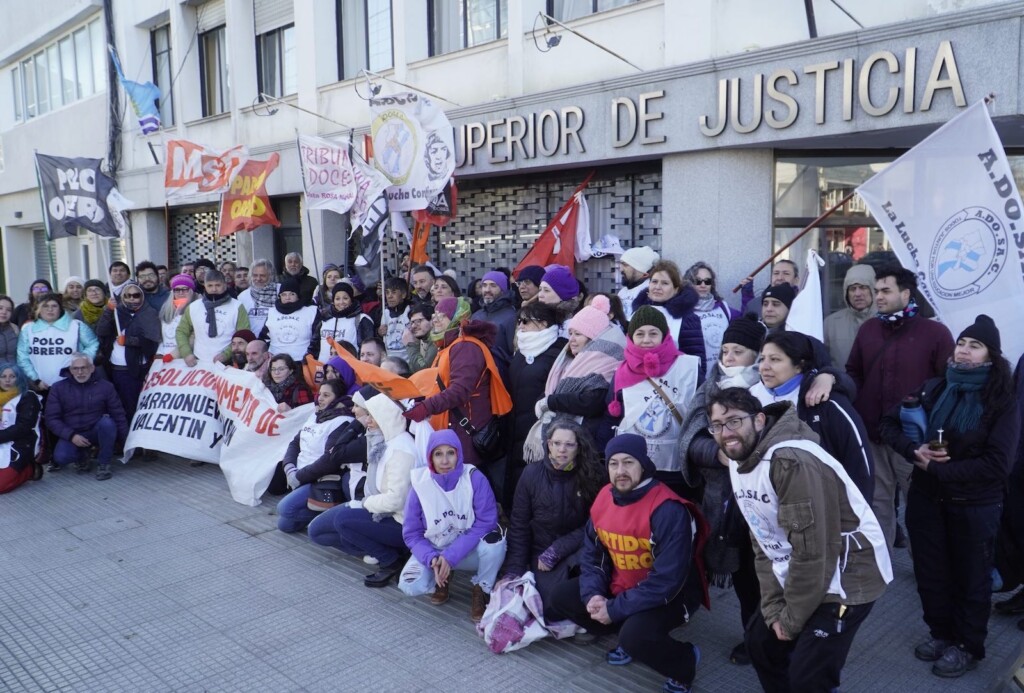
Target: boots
[[477, 604], [103, 472], [440, 595]]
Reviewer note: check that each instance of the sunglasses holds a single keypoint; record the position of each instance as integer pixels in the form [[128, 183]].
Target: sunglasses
[[704, 282], [132, 296]]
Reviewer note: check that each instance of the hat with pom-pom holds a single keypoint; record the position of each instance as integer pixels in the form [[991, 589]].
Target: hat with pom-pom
[[592, 320]]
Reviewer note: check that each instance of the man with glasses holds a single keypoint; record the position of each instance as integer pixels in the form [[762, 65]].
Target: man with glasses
[[819, 551], [130, 334], [420, 350], [148, 276], [84, 411]]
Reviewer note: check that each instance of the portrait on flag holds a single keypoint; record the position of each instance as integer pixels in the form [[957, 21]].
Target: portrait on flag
[[246, 205], [413, 146], [75, 194], [951, 210], [195, 169]]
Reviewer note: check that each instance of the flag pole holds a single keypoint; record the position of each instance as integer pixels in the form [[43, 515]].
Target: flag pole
[[309, 221], [829, 212], [46, 219]]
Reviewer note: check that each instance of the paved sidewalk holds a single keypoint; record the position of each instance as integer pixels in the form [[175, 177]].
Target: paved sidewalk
[[157, 581]]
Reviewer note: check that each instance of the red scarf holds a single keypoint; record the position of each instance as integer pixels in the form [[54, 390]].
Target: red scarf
[[641, 364]]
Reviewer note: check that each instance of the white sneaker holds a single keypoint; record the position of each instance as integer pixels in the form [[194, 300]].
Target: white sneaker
[[370, 560]]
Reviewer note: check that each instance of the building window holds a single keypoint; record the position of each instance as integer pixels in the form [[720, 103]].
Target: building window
[[160, 47], [213, 71], [564, 10], [275, 55], [364, 36], [67, 70], [458, 24]]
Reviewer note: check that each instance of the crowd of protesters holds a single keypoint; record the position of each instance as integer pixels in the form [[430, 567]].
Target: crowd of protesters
[[621, 452]]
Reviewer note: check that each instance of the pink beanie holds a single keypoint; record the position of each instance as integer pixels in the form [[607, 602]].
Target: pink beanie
[[592, 320]]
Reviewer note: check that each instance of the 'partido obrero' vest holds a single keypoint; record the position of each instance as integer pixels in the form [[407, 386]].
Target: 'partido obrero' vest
[[759, 504], [448, 514], [625, 532]]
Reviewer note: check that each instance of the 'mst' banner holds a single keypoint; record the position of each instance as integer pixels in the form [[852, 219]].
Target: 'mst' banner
[[211, 413], [195, 169], [246, 204]]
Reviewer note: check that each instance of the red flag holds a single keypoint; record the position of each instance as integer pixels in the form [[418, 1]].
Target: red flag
[[557, 245], [246, 204], [440, 210]]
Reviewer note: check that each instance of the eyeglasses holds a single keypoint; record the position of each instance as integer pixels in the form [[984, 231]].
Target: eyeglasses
[[704, 282], [146, 275], [181, 289], [732, 424], [39, 289], [526, 321], [131, 296]]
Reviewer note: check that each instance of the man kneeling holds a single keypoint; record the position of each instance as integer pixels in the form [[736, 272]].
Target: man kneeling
[[451, 523], [819, 552], [641, 569]]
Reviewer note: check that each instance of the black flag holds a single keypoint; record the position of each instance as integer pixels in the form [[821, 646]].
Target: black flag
[[75, 194]]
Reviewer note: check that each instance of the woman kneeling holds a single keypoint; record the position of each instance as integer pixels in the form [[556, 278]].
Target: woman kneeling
[[451, 522]]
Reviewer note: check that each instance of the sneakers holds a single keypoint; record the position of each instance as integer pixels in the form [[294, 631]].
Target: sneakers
[[932, 649], [384, 575], [53, 467], [370, 560], [618, 657], [674, 686], [83, 466], [440, 595], [584, 637], [477, 604], [955, 662], [103, 472], [1013, 605]]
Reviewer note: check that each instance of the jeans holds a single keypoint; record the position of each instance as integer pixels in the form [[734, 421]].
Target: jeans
[[354, 531], [293, 515], [485, 559], [813, 660], [953, 554], [102, 434]]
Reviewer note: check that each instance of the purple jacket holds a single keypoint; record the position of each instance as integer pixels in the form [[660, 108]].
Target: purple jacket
[[888, 363], [73, 407], [485, 509]]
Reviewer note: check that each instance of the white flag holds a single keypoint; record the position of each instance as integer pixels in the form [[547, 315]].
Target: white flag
[[805, 313], [327, 175], [370, 185], [583, 252], [952, 212]]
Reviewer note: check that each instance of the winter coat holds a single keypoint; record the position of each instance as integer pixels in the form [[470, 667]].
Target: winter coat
[[73, 407], [918, 349], [158, 298], [680, 308], [420, 354], [345, 446], [980, 460], [143, 334], [392, 474], [87, 344], [815, 510], [842, 326], [502, 313], [8, 343], [23, 435], [546, 514], [526, 386], [294, 451]]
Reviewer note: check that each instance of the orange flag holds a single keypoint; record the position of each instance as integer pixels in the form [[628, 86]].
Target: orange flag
[[420, 236], [394, 386]]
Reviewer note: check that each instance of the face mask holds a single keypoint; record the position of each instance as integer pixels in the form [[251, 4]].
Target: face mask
[[179, 302]]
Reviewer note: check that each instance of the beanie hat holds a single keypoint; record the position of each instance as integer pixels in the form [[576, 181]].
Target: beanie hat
[[531, 273], [592, 320], [640, 258], [633, 445], [247, 335], [289, 283], [498, 278], [357, 283], [783, 292], [75, 279], [562, 281], [177, 280], [747, 331], [328, 267], [986, 332], [647, 315], [97, 283], [204, 262], [343, 286]]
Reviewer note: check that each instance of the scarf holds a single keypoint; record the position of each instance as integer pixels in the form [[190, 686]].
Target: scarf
[[641, 364], [211, 303], [705, 304], [7, 395], [959, 407], [90, 313], [265, 297], [533, 344], [738, 376], [786, 387], [285, 308], [342, 406], [352, 311], [451, 332], [375, 449], [900, 315], [279, 389]]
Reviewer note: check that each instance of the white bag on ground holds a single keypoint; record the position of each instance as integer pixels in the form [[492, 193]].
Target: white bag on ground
[[515, 617]]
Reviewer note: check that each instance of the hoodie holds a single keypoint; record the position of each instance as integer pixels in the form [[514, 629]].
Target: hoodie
[[485, 507], [841, 327], [392, 473]]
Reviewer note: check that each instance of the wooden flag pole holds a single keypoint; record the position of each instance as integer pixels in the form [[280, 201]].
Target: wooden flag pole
[[829, 212]]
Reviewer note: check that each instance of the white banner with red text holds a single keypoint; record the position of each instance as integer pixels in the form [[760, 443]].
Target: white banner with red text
[[215, 414]]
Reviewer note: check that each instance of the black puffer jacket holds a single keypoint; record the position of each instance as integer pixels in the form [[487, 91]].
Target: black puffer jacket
[[526, 386], [22, 435], [346, 445], [546, 513]]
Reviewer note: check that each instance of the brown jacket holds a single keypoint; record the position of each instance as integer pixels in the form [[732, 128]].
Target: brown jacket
[[814, 510]]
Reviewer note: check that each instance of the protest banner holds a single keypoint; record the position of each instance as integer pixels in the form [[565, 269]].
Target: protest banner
[[246, 205], [414, 146], [211, 413], [195, 169], [951, 210], [327, 175]]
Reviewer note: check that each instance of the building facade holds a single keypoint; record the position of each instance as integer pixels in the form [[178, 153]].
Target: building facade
[[718, 131]]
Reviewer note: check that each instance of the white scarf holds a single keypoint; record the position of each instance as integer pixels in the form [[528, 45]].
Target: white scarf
[[533, 344], [738, 376]]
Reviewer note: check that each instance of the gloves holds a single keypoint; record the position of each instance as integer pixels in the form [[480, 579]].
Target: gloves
[[549, 559], [417, 413], [168, 358], [541, 408], [293, 479]]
